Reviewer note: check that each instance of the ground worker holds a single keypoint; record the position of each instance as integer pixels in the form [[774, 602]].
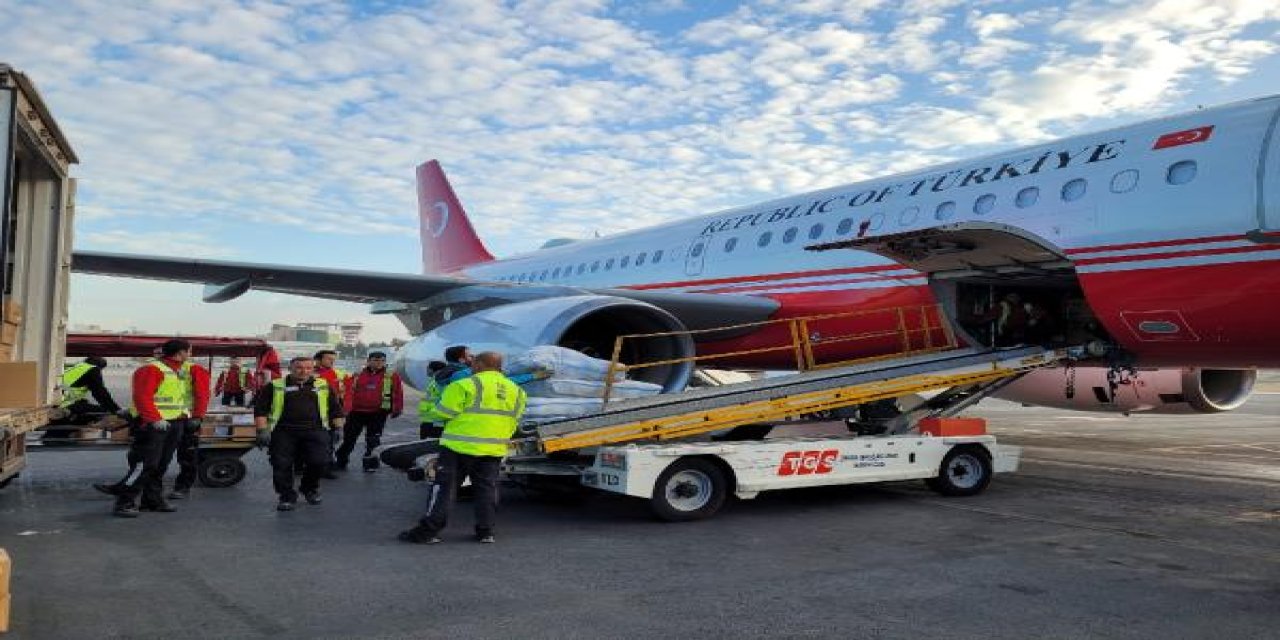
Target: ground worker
[[294, 416], [483, 412], [234, 383], [430, 423], [170, 396], [337, 379], [372, 396], [457, 366], [80, 381]]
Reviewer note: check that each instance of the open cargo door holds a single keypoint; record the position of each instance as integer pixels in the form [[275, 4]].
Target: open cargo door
[[973, 266]]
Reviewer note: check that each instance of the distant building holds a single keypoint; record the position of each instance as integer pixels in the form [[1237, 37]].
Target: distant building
[[329, 333]]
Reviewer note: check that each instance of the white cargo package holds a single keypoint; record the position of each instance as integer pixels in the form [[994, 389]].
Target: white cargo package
[[570, 388], [562, 363], [546, 408]]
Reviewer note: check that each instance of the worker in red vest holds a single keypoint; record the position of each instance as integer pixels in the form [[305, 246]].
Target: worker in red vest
[[234, 383], [373, 395]]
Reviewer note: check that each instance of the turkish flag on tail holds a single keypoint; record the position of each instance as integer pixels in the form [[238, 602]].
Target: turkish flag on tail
[[1190, 136]]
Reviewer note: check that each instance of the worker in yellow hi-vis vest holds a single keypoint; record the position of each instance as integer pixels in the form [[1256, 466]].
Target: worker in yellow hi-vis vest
[[294, 416], [482, 413]]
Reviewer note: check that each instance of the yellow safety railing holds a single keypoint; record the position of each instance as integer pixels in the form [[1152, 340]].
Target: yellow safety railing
[[912, 331]]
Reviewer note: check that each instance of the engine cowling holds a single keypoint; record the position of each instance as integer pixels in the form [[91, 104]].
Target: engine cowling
[[588, 323], [1171, 391]]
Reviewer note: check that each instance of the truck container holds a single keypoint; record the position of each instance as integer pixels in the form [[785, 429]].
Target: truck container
[[37, 200]]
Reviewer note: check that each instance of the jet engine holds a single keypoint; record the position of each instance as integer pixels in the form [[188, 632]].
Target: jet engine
[[588, 323], [1171, 391]]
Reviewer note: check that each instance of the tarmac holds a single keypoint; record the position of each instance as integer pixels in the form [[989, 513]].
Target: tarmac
[[1115, 527]]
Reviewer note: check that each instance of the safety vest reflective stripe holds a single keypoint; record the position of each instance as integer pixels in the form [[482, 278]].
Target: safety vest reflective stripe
[[476, 439], [478, 407], [386, 390], [321, 387], [72, 394]]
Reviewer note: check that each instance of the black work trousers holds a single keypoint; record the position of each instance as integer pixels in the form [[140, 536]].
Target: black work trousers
[[371, 423], [233, 398], [188, 455], [289, 445], [451, 470], [154, 450]]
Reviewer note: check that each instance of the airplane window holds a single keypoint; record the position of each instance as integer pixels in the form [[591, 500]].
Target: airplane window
[[908, 215], [640, 258], [845, 226], [543, 275], [765, 238], [874, 222], [790, 234], [1124, 181], [555, 273], [595, 266], [1181, 172], [730, 244], [1074, 190], [626, 262], [815, 232], [608, 264], [945, 210], [657, 256], [984, 204], [582, 267], [1028, 197], [697, 250]]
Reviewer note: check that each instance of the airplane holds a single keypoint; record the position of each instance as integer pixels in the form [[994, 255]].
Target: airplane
[[1160, 239]]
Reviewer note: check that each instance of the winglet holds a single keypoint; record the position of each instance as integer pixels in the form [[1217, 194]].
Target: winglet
[[449, 242]]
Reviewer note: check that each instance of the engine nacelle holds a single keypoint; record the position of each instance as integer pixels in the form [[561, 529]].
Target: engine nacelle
[[1173, 391], [587, 323]]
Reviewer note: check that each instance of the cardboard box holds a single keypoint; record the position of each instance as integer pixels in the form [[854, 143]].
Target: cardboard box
[[945, 427], [19, 385], [9, 333], [13, 312], [4, 613]]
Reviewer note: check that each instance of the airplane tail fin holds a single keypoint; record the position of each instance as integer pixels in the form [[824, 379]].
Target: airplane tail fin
[[449, 242]]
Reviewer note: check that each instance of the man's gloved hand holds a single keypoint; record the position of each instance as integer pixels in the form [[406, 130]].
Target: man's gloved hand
[[264, 438], [159, 425], [193, 424], [338, 423]]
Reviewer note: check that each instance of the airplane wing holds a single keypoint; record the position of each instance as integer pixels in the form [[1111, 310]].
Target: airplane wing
[[227, 280]]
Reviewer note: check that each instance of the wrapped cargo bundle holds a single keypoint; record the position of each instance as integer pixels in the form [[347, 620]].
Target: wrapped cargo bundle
[[576, 386], [562, 363], [572, 388]]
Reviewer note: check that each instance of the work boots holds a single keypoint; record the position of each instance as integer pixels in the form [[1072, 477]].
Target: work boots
[[158, 507], [125, 509]]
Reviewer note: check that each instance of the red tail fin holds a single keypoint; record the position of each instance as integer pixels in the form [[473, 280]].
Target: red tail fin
[[449, 242]]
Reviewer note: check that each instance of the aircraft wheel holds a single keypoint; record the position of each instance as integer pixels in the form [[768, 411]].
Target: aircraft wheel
[[689, 489], [965, 471]]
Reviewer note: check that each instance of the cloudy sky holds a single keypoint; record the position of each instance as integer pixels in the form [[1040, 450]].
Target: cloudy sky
[[288, 130]]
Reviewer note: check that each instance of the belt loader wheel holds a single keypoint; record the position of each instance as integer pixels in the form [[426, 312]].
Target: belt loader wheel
[[689, 489], [220, 471], [965, 471]]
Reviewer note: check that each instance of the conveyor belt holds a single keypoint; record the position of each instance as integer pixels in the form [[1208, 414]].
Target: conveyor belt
[[702, 410]]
